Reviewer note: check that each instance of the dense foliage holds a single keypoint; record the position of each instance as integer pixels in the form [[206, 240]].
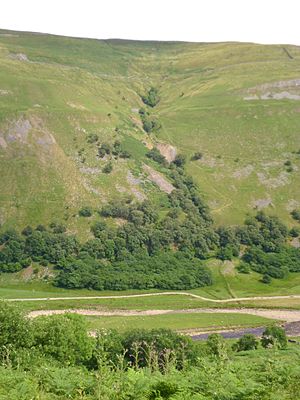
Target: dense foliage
[[151, 98], [162, 271], [150, 250], [150, 123], [58, 360]]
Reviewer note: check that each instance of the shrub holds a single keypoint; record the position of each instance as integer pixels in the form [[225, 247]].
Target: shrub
[[85, 212], [266, 279], [92, 138], [104, 149], [244, 268], [274, 336], [246, 342], [197, 156], [15, 329], [63, 337], [216, 345], [296, 215], [107, 168], [156, 156], [295, 232], [179, 160]]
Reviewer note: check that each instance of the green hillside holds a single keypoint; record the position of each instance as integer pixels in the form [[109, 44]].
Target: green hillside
[[236, 103]]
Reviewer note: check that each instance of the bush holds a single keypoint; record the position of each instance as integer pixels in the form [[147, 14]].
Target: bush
[[197, 156], [64, 337], [295, 232], [296, 215], [274, 336], [104, 149], [179, 160], [156, 348], [244, 268], [266, 279], [15, 329], [85, 212], [156, 156], [216, 345], [246, 342], [107, 168], [92, 138]]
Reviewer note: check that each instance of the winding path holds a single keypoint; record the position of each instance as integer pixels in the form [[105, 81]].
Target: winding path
[[231, 300], [291, 318]]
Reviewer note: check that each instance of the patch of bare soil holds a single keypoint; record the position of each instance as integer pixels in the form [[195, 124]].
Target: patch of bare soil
[[259, 204], [158, 179], [168, 151], [273, 91], [243, 172], [228, 268], [98, 313], [292, 205], [77, 106], [18, 131], [4, 92], [18, 56], [3, 143], [134, 183], [27, 273], [283, 315], [296, 243], [90, 170], [277, 85], [281, 180]]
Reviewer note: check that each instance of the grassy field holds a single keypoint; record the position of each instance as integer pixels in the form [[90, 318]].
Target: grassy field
[[183, 322], [228, 283], [61, 89]]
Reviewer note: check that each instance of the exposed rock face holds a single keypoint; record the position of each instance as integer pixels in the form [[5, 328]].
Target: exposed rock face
[[159, 179], [168, 151]]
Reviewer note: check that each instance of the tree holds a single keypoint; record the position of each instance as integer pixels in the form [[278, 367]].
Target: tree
[[179, 160], [15, 329], [64, 337], [217, 346], [246, 342], [274, 336]]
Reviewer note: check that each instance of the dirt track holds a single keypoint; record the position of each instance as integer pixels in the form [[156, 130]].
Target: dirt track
[[284, 315], [231, 300]]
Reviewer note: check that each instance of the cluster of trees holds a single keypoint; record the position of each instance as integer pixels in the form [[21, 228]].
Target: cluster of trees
[[54, 358], [39, 245], [115, 149], [273, 337], [171, 271], [150, 123], [155, 155], [152, 252], [151, 98]]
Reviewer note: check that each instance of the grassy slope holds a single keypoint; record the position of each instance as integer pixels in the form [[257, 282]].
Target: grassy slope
[[73, 87]]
